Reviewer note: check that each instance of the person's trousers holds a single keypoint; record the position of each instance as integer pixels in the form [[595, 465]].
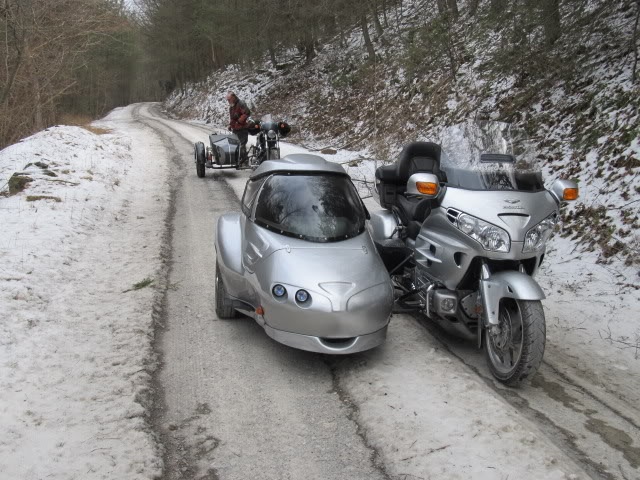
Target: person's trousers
[[243, 136]]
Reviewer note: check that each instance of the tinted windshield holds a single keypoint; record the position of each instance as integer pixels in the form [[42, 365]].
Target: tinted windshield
[[489, 156], [319, 208]]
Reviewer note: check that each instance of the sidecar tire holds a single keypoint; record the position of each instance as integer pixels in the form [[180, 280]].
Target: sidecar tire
[[200, 159], [224, 305], [532, 340]]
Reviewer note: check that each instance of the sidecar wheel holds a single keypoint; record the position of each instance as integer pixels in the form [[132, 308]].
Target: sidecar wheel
[[224, 308], [200, 159], [200, 170], [516, 352]]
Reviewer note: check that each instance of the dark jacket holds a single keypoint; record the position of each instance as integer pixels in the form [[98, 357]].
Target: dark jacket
[[238, 115]]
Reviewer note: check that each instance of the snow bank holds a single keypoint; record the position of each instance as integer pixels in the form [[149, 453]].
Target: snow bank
[[75, 336]]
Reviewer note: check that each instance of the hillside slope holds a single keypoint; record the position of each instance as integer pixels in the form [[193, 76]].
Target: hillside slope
[[576, 99]]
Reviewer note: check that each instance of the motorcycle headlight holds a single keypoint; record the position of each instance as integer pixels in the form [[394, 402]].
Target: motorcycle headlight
[[271, 134], [491, 238], [536, 238]]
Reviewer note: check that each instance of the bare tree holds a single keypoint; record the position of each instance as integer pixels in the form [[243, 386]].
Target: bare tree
[[45, 46]]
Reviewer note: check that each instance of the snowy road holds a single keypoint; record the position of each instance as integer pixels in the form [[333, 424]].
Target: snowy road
[[107, 260], [236, 405]]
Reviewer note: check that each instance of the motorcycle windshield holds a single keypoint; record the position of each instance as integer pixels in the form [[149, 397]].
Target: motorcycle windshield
[[268, 123], [489, 156], [317, 208]]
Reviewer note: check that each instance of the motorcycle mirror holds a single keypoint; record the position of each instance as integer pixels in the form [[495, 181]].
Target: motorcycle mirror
[[424, 185], [565, 191]]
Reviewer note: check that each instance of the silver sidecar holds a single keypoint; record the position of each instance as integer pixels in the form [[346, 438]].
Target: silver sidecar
[[300, 260]]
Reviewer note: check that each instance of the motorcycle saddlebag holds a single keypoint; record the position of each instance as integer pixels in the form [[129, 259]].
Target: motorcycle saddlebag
[[225, 148]]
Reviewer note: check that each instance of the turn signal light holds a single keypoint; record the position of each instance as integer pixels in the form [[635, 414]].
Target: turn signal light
[[570, 194], [428, 188], [260, 311]]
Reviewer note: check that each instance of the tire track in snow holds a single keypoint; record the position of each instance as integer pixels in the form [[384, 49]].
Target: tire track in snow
[[598, 437], [175, 454]]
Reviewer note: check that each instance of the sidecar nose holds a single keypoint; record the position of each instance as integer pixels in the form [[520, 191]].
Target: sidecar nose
[[350, 296]]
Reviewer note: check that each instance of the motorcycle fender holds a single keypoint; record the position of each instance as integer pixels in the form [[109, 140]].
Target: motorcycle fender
[[229, 243], [507, 284]]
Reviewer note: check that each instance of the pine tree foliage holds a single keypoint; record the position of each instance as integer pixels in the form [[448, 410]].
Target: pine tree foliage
[[187, 39]]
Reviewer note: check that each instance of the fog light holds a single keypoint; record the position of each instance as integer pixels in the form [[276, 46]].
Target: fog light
[[302, 296], [279, 291], [448, 304]]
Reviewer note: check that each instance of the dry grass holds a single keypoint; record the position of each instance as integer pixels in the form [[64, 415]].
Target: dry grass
[[17, 183], [35, 198], [83, 121], [140, 285]]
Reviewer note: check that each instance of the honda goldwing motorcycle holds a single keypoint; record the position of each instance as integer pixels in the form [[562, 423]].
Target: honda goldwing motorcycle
[[463, 231], [268, 133]]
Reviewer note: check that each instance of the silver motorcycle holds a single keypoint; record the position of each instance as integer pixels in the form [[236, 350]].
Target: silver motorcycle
[[463, 231]]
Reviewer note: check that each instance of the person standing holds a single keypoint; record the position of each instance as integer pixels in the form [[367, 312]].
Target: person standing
[[238, 116]]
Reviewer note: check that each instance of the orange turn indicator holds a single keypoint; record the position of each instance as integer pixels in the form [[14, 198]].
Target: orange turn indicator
[[570, 194], [260, 311], [427, 188]]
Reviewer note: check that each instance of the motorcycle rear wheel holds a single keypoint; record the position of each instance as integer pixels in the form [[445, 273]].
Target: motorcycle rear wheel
[[515, 353]]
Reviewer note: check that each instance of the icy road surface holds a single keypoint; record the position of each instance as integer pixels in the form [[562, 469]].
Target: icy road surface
[[77, 348]]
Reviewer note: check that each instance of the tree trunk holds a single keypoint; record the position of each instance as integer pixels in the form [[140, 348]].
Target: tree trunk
[[272, 56], [38, 117], [384, 13], [453, 8], [473, 7], [367, 38], [214, 62], [442, 7], [376, 20], [551, 20], [635, 43]]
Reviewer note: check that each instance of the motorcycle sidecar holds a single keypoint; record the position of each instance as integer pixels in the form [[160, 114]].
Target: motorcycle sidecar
[[223, 152], [300, 260]]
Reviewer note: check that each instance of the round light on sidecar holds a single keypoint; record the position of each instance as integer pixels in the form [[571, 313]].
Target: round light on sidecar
[[302, 296], [279, 291]]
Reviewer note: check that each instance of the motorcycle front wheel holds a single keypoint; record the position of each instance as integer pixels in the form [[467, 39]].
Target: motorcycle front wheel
[[515, 349], [273, 153]]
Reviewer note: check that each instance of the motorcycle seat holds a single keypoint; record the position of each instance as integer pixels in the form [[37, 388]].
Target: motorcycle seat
[[416, 157]]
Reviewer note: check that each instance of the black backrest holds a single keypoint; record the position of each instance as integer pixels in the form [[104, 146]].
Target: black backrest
[[418, 157]]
